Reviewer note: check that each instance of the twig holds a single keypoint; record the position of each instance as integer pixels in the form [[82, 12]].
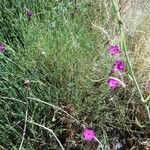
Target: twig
[[49, 131], [102, 29], [1, 147], [13, 126], [38, 100], [100, 144], [24, 130], [13, 99]]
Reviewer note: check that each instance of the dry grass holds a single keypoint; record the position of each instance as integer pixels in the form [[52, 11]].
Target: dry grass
[[133, 13], [140, 47], [136, 18]]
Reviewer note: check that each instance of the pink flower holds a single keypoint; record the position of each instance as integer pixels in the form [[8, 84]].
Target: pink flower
[[113, 49], [113, 82], [88, 134], [29, 14], [2, 47], [118, 65]]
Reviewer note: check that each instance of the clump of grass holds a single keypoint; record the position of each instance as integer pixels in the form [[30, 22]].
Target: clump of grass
[[56, 58]]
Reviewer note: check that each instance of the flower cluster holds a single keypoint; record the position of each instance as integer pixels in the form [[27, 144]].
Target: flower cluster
[[118, 65]]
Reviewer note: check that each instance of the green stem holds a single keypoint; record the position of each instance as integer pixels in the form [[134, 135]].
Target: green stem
[[124, 47]]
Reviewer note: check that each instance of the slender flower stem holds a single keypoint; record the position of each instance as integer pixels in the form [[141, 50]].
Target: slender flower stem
[[57, 108], [124, 47], [49, 131]]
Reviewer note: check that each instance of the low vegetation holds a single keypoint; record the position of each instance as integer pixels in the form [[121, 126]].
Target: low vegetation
[[54, 71]]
